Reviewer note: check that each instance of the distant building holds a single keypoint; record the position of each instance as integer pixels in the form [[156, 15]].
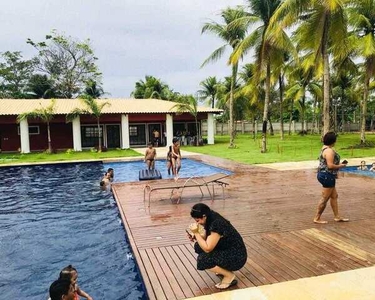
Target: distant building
[[124, 124]]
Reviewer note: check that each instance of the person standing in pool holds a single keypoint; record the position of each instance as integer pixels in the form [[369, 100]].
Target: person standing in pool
[[176, 157], [221, 249], [329, 164], [111, 173], [150, 155], [169, 161], [362, 166]]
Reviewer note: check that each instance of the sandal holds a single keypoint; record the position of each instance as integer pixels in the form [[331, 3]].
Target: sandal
[[226, 285], [342, 220]]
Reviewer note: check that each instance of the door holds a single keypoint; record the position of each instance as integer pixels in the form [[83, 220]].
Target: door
[[113, 136], [152, 137]]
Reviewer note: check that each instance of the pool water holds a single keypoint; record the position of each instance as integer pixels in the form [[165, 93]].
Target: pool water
[[354, 170], [129, 171], [55, 215]]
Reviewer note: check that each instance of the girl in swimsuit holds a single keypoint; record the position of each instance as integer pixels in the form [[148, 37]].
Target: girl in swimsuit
[[71, 274]]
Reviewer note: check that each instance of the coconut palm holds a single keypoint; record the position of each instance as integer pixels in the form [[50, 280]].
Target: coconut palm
[[269, 46], [321, 32], [93, 89], [92, 107], [44, 113], [209, 90], [361, 16], [151, 87], [232, 36], [189, 104]]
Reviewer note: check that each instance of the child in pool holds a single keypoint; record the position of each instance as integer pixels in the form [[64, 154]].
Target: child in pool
[[363, 166], [71, 274], [372, 169]]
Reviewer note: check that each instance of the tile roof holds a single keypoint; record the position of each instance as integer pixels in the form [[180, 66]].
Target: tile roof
[[65, 106]]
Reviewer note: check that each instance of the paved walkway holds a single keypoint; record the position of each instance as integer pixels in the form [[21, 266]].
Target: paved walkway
[[349, 285]]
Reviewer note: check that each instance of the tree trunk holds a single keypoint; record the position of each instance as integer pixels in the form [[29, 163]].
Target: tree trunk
[[266, 104], [303, 115], [281, 88], [49, 138], [100, 137], [254, 129], [314, 116], [326, 77], [196, 129], [271, 127], [231, 103], [291, 116], [364, 109]]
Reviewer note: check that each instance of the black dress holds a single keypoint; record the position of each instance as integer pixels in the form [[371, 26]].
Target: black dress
[[229, 253]]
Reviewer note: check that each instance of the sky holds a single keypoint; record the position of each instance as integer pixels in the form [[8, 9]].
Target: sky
[[131, 38]]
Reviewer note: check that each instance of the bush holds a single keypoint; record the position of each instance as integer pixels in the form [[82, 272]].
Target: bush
[[70, 151]]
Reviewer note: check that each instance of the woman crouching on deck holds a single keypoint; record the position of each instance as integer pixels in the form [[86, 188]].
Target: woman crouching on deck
[[221, 249]]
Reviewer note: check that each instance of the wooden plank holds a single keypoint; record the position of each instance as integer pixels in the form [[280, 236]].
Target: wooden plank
[[157, 289], [179, 294], [177, 274], [185, 272], [164, 282]]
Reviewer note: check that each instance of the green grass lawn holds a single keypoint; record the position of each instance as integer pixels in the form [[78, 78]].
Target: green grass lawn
[[8, 158], [292, 148]]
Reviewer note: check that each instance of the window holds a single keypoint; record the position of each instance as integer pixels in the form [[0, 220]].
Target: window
[[133, 130], [33, 130], [89, 136]]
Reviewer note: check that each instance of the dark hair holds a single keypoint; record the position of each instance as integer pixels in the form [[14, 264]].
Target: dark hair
[[109, 170], [200, 210], [174, 140], [102, 183], [67, 272], [329, 138], [149, 144], [59, 288]]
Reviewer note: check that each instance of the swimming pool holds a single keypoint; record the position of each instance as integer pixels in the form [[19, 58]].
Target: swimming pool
[[354, 170], [55, 215], [129, 171]]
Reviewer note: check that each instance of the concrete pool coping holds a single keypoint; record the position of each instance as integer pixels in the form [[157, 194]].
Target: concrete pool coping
[[347, 285]]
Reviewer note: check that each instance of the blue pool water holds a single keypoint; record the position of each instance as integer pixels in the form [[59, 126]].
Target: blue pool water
[[129, 171], [354, 170], [55, 215]]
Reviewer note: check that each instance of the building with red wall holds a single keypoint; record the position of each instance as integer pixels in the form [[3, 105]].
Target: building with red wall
[[124, 123]]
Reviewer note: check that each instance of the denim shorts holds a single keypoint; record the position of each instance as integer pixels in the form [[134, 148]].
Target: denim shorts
[[328, 180]]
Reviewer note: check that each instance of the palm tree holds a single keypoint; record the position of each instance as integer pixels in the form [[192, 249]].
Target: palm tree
[[269, 45], [93, 89], [152, 87], [361, 16], [45, 114], [301, 83], [189, 104], [321, 31], [232, 36], [92, 107], [209, 90]]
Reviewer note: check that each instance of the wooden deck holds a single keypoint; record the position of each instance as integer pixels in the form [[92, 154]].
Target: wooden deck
[[273, 211]]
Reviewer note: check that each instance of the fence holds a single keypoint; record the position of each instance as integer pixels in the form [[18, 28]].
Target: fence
[[247, 127]]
